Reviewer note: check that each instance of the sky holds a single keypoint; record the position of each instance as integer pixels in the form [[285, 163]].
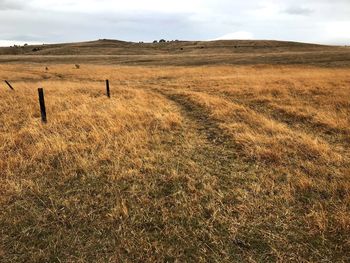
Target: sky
[[54, 21]]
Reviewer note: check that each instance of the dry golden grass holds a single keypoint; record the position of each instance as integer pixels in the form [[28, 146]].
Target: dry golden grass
[[182, 164], [181, 53]]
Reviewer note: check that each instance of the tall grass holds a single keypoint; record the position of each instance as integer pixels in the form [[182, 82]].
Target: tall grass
[[182, 164]]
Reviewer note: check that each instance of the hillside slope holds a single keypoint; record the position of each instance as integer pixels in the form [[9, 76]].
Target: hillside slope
[[116, 47], [180, 53]]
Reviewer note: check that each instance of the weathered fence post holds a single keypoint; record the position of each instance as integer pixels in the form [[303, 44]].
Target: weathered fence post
[[42, 105], [107, 87], [8, 84]]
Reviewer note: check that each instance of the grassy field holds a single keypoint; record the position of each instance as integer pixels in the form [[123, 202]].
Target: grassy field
[[245, 163], [181, 53]]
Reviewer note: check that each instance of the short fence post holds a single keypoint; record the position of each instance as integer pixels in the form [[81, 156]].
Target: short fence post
[[107, 87], [8, 84], [42, 105]]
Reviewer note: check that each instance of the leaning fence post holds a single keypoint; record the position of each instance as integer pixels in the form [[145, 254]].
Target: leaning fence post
[[8, 84], [42, 105], [107, 87]]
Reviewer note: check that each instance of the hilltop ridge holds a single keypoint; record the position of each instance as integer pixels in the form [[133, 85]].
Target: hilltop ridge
[[108, 51], [117, 47]]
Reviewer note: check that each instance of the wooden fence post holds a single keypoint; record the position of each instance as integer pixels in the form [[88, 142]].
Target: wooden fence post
[[107, 87], [42, 105], [8, 84]]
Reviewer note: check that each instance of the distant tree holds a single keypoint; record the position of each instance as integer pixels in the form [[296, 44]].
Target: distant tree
[[162, 41], [25, 44]]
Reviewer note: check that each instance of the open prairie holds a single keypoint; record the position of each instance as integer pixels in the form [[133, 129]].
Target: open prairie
[[191, 163], [181, 53]]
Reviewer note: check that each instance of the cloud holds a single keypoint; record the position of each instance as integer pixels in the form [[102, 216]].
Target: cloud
[[237, 35], [97, 6], [136, 20], [298, 10], [10, 5]]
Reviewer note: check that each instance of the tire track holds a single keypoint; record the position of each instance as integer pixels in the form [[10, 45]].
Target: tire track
[[218, 156], [303, 124], [334, 137], [330, 134], [221, 158], [220, 149]]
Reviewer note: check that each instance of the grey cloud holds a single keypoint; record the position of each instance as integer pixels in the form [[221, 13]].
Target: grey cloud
[[55, 27], [11, 5], [28, 21], [297, 10]]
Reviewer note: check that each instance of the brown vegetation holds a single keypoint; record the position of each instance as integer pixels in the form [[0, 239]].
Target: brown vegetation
[[181, 53], [182, 164]]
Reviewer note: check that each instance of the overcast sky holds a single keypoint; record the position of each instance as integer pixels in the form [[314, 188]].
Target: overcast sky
[[50, 21]]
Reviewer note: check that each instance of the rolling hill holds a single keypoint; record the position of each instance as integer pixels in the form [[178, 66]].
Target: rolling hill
[[180, 53]]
